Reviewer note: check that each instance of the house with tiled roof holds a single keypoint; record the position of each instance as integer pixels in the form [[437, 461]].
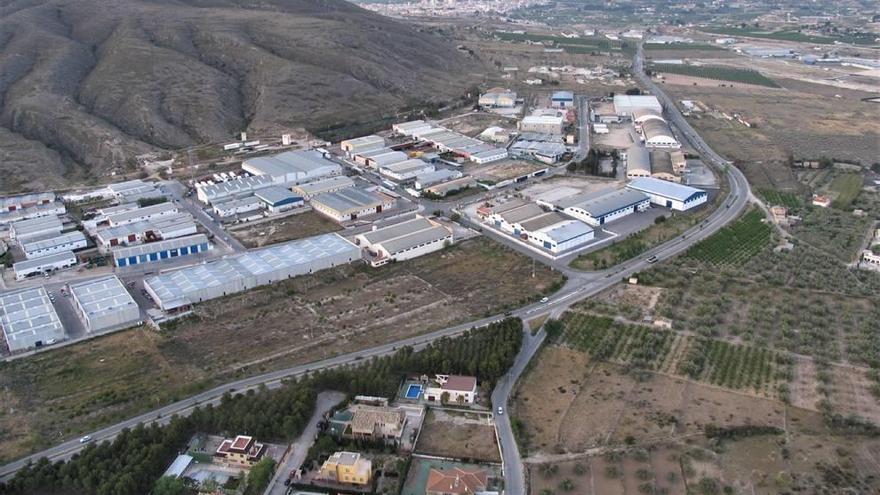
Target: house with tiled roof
[[455, 388], [456, 481]]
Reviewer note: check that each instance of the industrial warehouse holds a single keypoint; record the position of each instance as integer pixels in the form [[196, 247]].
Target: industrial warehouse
[[240, 272], [406, 170], [602, 207], [321, 186], [669, 194], [29, 320], [168, 227], [292, 167], [446, 141], [232, 189], [46, 264], [104, 305], [53, 244], [403, 241], [351, 203], [160, 251], [27, 229], [549, 230]]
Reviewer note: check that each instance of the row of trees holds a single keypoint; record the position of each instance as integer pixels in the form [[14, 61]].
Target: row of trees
[[137, 457]]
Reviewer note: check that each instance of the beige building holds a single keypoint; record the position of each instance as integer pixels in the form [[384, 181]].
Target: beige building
[[240, 451], [347, 467]]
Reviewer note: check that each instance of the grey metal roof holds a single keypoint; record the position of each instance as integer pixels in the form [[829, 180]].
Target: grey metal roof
[[522, 213], [654, 128], [28, 315], [146, 211], [392, 231], [8, 201], [101, 297], [563, 95], [638, 157], [567, 231], [171, 222], [290, 162], [24, 227], [154, 247], [239, 185], [541, 221], [239, 203], [602, 203], [372, 138], [348, 200], [407, 166], [414, 239], [664, 188], [45, 260], [275, 194], [324, 185], [436, 176], [389, 158], [413, 124], [52, 240]]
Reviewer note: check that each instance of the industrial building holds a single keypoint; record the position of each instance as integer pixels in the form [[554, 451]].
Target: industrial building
[[498, 98], [602, 207], [381, 157], [444, 188], [350, 204], [669, 194], [446, 141], [549, 230], [638, 161], [46, 264], [160, 251], [403, 241], [365, 143], [8, 216], [232, 189], [625, 105], [38, 247], [237, 206], [661, 166], [411, 128], [292, 167], [133, 190], [562, 99], [436, 177], [542, 151], [642, 115], [29, 320], [145, 214], [169, 227], [658, 134], [23, 201], [243, 271], [34, 227], [543, 124], [278, 199], [104, 304], [406, 170], [321, 186]]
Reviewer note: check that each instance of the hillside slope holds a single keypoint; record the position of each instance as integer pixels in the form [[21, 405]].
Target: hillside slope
[[85, 85]]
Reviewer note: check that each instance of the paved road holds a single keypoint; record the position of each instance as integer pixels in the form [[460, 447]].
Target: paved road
[[297, 455], [583, 105], [178, 196]]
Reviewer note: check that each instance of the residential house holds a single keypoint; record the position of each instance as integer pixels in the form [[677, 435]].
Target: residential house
[[456, 481], [347, 467], [456, 389], [240, 451]]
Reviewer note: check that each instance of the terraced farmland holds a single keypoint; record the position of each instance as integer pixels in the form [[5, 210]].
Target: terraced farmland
[[736, 243]]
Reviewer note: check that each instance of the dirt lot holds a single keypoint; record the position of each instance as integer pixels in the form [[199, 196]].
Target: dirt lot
[[463, 436], [80, 387], [472, 125], [305, 224], [680, 79]]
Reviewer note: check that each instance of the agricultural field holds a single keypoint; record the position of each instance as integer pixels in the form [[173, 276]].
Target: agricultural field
[[793, 35], [775, 197], [846, 188], [835, 233], [735, 243], [81, 387], [593, 43], [657, 47], [717, 73], [465, 436], [292, 227]]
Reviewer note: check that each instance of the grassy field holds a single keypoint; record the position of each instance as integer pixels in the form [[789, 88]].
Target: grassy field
[[781, 198], [63, 393], [846, 188], [735, 243], [731, 74], [288, 228], [792, 35], [650, 47]]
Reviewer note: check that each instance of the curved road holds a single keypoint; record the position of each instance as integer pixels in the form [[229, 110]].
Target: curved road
[[580, 285]]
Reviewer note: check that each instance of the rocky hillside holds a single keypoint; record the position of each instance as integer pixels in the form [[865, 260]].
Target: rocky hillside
[[85, 85]]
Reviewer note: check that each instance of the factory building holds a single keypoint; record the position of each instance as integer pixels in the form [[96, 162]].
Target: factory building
[[8, 216], [382, 157], [446, 141], [238, 206], [361, 144], [403, 241], [549, 230], [38, 247], [669, 194], [498, 98], [292, 167], [321, 186], [406, 170], [543, 124], [243, 271], [102, 215], [562, 99], [436, 177], [104, 304], [603, 207], [46, 264], [487, 154], [542, 151], [657, 134], [661, 166], [160, 251], [232, 189], [133, 190], [145, 214], [23, 201], [444, 188], [642, 115], [29, 320], [638, 162], [278, 199], [411, 128], [625, 105], [169, 227], [34, 227], [350, 204]]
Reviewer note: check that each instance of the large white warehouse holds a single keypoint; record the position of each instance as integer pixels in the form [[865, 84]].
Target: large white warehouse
[[53, 244], [292, 167], [46, 264], [669, 194], [602, 207], [104, 304], [34, 227], [403, 241], [625, 105], [239, 272], [28, 319]]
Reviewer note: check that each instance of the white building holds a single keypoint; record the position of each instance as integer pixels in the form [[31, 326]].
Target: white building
[[428, 179], [169, 227], [488, 156], [380, 158], [28, 319], [321, 186], [104, 304], [625, 105], [351, 204], [603, 207], [236, 188], [292, 167], [410, 128], [549, 230], [498, 98], [406, 170], [237, 206], [658, 134], [23, 201], [35, 210], [53, 244], [669, 194], [457, 389], [364, 143], [145, 214], [278, 199], [46, 264], [34, 227], [543, 124], [403, 241]]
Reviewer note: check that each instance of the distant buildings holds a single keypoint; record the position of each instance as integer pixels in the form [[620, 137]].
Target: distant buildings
[[321, 186], [361, 144], [543, 124], [446, 141], [498, 98], [562, 99], [233, 189], [625, 105], [241, 451], [822, 201], [406, 170], [27, 206], [347, 467]]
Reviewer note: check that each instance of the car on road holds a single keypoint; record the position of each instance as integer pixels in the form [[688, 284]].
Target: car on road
[[85, 439], [50, 342], [652, 259], [500, 410], [545, 299]]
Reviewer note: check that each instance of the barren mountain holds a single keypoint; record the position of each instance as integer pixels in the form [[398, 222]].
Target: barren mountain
[[85, 85]]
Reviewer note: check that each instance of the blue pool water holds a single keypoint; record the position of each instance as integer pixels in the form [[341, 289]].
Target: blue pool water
[[413, 391]]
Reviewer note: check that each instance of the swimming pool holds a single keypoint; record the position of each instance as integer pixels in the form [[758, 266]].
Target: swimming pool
[[413, 391]]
